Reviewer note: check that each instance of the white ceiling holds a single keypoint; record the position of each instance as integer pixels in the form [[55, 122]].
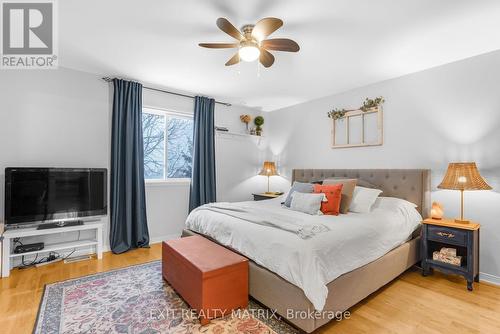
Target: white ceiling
[[344, 43]]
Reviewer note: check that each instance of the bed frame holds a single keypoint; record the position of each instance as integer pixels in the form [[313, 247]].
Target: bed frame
[[347, 290]]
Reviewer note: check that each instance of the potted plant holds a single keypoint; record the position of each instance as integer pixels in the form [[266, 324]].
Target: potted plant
[[258, 121]]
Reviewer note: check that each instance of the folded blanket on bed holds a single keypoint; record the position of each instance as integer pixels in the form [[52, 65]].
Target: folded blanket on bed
[[265, 217]]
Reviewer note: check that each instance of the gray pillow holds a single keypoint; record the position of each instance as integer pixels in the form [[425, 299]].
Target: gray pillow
[[299, 187], [307, 203]]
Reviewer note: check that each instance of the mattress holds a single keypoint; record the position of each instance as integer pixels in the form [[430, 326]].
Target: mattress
[[352, 241]]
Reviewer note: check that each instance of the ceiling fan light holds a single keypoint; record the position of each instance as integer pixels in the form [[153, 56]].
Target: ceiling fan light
[[249, 53]]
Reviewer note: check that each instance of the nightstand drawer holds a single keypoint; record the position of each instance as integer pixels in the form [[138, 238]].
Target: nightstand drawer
[[447, 235]]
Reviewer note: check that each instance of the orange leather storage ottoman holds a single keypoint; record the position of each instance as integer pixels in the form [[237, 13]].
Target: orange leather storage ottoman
[[212, 279]]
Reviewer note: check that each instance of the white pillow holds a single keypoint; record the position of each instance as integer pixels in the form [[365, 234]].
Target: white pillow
[[392, 203], [407, 209], [307, 203], [363, 199]]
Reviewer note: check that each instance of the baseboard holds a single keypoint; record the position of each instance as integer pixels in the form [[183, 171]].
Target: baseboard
[[489, 278], [162, 238], [153, 240]]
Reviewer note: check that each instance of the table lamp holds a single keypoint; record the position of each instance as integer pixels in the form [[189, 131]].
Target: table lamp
[[268, 169], [463, 176]]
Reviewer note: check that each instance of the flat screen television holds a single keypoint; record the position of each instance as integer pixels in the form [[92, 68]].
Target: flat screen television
[[39, 195]]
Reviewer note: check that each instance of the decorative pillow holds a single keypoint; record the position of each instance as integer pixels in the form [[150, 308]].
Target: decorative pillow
[[359, 182], [347, 191], [298, 187], [307, 203], [363, 199], [333, 194], [366, 184]]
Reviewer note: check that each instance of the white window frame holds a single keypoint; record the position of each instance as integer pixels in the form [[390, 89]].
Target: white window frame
[[167, 113]]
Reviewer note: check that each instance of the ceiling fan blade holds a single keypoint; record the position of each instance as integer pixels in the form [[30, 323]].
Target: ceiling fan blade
[[234, 60], [280, 44], [229, 29], [219, 45], [266, 58], [266, 27]]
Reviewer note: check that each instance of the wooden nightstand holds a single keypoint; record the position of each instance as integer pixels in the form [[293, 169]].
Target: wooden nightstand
[[264, 196], [447, 233]]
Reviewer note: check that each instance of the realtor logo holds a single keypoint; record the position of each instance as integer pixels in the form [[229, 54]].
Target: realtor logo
[[28, 35]]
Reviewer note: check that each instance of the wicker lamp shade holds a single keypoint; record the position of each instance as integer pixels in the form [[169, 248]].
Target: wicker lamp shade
[[463, 176], [268, 169]]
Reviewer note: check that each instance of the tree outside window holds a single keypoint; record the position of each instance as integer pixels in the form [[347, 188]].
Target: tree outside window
[[168, 145]]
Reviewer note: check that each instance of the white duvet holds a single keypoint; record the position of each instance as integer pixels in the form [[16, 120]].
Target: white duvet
[[353, 240]]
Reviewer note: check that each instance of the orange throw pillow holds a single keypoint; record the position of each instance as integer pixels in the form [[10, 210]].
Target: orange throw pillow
[[333, 194]]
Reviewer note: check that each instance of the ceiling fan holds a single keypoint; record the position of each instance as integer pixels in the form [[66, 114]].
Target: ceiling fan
[[252, 41]]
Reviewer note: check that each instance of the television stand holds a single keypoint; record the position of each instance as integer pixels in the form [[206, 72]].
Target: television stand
[[60, 224], [95, 242]]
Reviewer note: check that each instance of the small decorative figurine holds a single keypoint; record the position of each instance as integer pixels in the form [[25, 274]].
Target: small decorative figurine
[[245, 119]]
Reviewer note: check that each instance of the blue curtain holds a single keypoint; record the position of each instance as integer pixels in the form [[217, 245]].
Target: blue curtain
[[203, 179], [128, 223]]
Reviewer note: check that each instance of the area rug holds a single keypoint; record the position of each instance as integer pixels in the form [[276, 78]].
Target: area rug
[[137, 300]]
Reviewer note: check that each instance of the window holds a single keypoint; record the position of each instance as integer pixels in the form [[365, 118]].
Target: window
[[168, 145]]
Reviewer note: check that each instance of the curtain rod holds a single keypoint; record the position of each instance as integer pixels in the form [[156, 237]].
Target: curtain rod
[[108, 79]]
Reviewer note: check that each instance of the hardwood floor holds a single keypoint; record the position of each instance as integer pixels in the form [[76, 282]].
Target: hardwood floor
[[410, 304], [21, 292]]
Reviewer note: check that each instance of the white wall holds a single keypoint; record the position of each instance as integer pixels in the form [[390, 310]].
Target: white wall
[[55, 119], [61, 118], [448, 113]]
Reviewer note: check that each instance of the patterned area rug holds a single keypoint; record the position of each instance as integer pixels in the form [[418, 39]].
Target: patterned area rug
[[137, 300]]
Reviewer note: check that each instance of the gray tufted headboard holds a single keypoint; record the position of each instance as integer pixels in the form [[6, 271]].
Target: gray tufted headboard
[[413, 185]]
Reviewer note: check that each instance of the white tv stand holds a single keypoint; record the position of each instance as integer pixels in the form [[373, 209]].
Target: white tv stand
[[8, 253]]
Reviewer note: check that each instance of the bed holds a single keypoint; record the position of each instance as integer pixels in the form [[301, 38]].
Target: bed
[[276, 283]]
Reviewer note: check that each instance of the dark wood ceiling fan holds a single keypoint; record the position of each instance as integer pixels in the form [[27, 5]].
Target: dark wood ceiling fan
[[252, 41]]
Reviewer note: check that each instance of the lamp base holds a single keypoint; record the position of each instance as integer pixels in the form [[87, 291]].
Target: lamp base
[[461, 221]]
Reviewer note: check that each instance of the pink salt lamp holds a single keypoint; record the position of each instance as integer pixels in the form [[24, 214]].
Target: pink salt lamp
[[437, 211]]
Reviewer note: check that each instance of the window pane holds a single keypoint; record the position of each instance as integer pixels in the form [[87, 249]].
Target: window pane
[[179, 147], [153, 131]]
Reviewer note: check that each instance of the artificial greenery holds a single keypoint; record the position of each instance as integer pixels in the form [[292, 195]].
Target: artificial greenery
[[336, 113], [368, 104], [259, 121], [372, 103]]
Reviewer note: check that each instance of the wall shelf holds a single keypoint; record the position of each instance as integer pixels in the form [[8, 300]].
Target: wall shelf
[[237, 134]]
